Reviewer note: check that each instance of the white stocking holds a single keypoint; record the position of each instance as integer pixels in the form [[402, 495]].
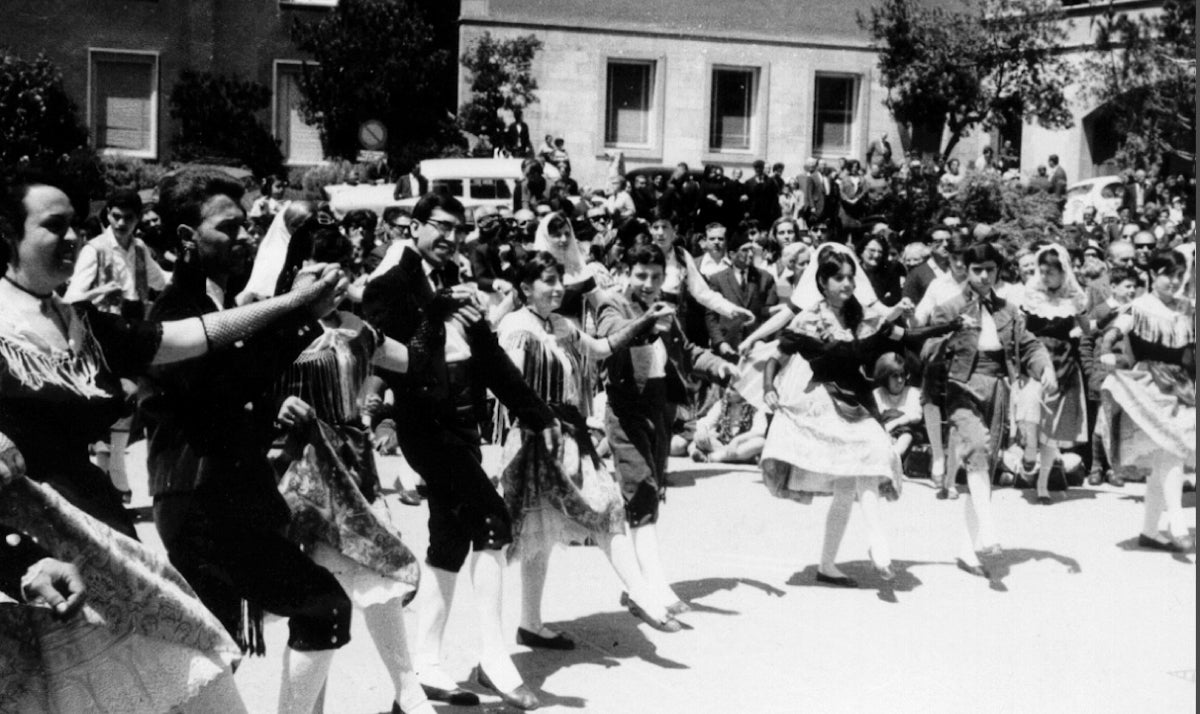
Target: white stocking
[[868, 504], [836, 521], [933, 427], [433, 606], [219, 695], [1048, 453], [620, 552], [385, 623], [1172, 498], [534, 563], [1153, 504], [487, 576], [304, 675], [645, 544], [116, 461], [981, 498]]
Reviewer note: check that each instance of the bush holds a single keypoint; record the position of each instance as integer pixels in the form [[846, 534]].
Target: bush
[[40, 128], [1016, 214], [218, 122], [123, 172]]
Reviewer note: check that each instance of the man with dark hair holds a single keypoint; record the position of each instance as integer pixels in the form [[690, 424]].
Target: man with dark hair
[[1058, 177], [1123, 284], [216, 504], [920, 277], [763, 192], [454, 359], [715, 258], [743, 285]]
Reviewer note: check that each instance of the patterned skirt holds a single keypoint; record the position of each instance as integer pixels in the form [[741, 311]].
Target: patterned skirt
[[321, 487], [143, 641], [1149, 410]]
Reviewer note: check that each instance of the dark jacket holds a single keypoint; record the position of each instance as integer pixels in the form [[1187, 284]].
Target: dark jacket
[[614, 312], [401, 304], [917, 282], [756, 295], [1022, 351]]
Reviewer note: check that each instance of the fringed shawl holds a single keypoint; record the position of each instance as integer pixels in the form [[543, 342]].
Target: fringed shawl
[[35, 363], [330, 372], [1152, 321]]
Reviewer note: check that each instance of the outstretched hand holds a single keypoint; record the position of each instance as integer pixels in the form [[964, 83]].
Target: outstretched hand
[[12, 463], [54, 584]]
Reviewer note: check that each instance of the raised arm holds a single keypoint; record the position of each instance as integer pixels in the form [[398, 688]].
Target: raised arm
[[705, 295]]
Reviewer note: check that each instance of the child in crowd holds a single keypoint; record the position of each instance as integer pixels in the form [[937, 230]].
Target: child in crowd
[[899, 404], [732, 431]]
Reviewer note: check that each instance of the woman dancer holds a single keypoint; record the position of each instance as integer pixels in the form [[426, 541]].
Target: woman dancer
[[992, 349], [61, 365], [331, 484], [577, 498], [1151, 408], [827, 438], [1055, 307]]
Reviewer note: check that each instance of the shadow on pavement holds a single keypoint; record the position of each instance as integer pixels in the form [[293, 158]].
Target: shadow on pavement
[[686, 477], [1131, 545], [1001, 565], [1074, 494], [690, 591], [602, 639], [863, 572]]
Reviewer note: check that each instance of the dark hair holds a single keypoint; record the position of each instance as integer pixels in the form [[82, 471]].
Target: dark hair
[[12, 206], [182, 195], [983, 252], [534, 266], [330, 245], [391, 213], [437, 199], [714, 224], [125, 199], [830, 263], [1119, 274], [646, 255], [556, 223], [958, 244], [771, 247], [1167, 261], [299, 249], [363, 218], [887, 365], [1050, 259], [268, 183]]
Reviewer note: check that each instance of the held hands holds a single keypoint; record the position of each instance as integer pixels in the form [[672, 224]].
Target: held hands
[[904, 308], [728, 371], [552, 439], [771, 399], [746, 347], [385, 440], [12, 464], [741, 313], [334, 285], [54, 584], [663, 315], [1049, 382], [1108, 362]]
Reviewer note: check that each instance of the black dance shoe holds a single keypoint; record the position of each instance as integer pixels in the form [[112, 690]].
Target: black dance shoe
[[840, 581], [670, 624], [529, 638], [458, 696], [977, 570], [521, 697]]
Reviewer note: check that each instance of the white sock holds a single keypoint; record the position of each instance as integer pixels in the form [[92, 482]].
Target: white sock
[[836, 521], [116, 461], [487, 577], [868, 505], [534, 563], [645, 544], [304, 675], [623, 558], [981, 498], [433, 606], [385, 623]]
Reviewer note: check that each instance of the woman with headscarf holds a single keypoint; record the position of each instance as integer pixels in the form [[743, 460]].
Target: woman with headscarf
[[1055, 308], [575, 497], [827, 436], [1150, 410]]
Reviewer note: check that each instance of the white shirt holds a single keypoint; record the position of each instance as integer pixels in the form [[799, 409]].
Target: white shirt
[[215, 293], [103, 259], [710, 266], [943, 288], [457, 347]]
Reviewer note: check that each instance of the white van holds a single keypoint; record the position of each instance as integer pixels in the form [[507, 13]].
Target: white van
[[474, 182]]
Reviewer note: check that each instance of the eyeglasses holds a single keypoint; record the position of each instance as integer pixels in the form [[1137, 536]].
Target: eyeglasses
[[1143, 246], [444, 227], [402, 226], [599, 219], [325, 219]]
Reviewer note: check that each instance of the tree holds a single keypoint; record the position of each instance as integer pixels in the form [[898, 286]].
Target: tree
[[218, 122], [1016, 214], [993, 62], [1143, 71], [40, 128], [377, 59], [500, 79]]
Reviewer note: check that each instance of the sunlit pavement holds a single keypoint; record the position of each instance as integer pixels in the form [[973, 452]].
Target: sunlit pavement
[[1076, 619]]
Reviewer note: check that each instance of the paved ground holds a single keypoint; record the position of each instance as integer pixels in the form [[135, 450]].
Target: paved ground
[[1076, 620]]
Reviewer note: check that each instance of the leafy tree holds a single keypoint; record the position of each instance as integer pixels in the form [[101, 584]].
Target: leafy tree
[[992, 62], [218, 122], [1015, 213], [377, 59], [1143, 69], [40, 127], [500, 79]]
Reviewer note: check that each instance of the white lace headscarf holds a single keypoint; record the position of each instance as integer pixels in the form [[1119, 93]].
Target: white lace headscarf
[[807, 294], [571, 256], [1068, 300]]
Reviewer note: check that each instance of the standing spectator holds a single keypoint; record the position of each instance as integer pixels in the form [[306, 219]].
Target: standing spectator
[[813, 190], [920, 277], [986, 160], [619, 202], [1100, 317], [1138, 193], [948, 183], [763, 195], [270, 202], [879, 153], [1058, 177], [746, 286], [879, 269], [713, 195], [569, 185], [716, 256], [1008, 159], [851, 201], [1090, 227], [516, 137], [832, 204], [411, 185], [1040, 181]]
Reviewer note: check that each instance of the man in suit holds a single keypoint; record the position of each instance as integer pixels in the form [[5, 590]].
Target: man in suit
[[1058, 177], [879, 152], [829, 186], [763, 192], [411, 185], [813, 191], [920, 277], [745, 286], [1138, 194], [454, 359]]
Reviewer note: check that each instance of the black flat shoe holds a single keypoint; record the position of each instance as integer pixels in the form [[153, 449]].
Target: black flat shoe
[[521, 697], [840, 581], [1171, 546], [458, 696], [1044, 501], [670, 624], [977, 570], [1006, 479], [410, 498], [529, 638], [1115, 479]]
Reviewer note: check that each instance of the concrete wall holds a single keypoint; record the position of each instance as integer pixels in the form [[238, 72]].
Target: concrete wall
[[570, 72]]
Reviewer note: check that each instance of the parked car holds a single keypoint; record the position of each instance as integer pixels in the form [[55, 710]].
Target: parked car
[[474, 182], [1103, 193]]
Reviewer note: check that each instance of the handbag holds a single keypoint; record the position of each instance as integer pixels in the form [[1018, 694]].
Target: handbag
[[918, 461]]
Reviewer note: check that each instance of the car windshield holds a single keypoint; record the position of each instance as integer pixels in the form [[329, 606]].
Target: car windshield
[[1112, 190], [1079, 191], [490, 188]]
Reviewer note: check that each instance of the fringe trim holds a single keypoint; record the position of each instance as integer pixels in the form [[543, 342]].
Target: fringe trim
[[249, 634], [1173, 331], [73, 372]]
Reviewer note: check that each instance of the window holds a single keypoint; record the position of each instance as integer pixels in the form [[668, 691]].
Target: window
[[630, 103], [454, 187], [300, 142], [123, 102], [833, 114], [491, 189], [733, 103]]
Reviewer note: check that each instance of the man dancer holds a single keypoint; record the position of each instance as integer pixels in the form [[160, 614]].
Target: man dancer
[[453, 359], [216, 505]]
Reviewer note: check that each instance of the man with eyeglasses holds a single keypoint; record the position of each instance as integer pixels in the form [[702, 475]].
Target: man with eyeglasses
[[1144, 245], [920, 277], [454, 358], [605, 232]]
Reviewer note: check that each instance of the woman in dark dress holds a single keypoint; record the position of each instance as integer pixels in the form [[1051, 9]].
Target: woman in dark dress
[[59, 388]]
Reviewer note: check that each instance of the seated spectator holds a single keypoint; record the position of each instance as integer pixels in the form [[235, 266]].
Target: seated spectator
[[731, 432], [899, 404]]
